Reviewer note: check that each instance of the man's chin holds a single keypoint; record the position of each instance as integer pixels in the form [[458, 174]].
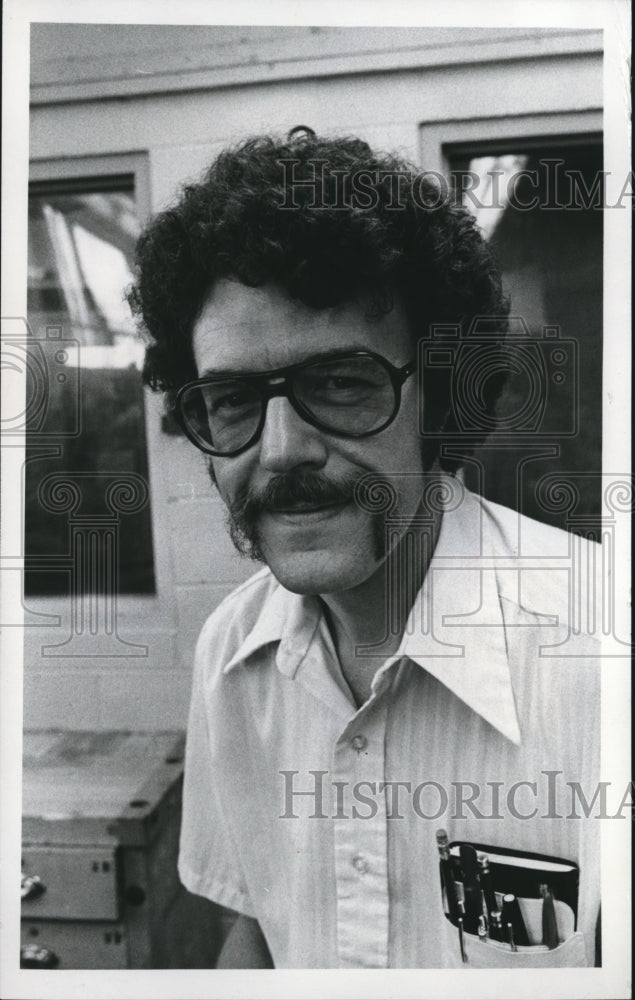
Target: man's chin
[[325, 552], [323, 572]]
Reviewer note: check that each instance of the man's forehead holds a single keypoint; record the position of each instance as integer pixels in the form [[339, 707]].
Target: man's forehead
[[260, 328], [231, 300], [231, 295]]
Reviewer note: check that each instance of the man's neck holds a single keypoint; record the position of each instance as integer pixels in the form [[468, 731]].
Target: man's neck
[[375, 613]]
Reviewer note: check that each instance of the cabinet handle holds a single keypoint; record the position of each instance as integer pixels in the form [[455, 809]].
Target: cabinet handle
[[34, 956], [32, 887]]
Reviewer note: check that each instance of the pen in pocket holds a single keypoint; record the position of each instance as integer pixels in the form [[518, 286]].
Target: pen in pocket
[[489, 897], [471, 888], [461, 940], [447, 875], [510, 936], [549, 921], [512, 916]]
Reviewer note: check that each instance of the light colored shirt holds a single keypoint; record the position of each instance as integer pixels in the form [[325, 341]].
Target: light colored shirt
[[287, 814]]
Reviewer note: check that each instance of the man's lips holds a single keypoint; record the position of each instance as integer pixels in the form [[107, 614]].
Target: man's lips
[[306, 511]]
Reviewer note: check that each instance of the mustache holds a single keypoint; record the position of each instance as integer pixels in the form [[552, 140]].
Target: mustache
[[289, 489], [283, 492]]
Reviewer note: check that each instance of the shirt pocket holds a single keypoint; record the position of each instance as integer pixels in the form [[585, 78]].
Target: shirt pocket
[[490, 954]]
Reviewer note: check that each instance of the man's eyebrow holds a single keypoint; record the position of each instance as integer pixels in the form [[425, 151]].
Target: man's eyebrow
[[305, 360]]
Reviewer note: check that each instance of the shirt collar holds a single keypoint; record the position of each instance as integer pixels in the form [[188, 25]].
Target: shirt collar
[[286, 618], [455, 630]]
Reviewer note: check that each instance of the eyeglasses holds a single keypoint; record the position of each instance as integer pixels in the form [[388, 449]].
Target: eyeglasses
[[351, 395]]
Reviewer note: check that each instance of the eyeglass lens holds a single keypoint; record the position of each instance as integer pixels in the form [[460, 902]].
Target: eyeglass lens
[[351, 396]]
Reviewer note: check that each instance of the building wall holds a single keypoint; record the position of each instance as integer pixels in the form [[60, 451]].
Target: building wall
[[166, 100]]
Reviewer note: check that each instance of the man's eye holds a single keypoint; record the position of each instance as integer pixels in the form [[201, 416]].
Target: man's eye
[[344, 382], [231, 401], [339, 385]]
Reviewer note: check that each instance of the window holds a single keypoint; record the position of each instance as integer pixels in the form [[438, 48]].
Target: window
[[86, 438]]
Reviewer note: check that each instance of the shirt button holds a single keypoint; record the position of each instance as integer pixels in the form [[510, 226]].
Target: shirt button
[[360, 864], [359, 742]]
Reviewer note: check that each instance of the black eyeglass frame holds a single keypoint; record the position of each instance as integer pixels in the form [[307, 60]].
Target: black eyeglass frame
[[280, 384]]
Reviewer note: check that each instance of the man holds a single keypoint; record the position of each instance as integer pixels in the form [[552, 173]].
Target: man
[[394, 668]]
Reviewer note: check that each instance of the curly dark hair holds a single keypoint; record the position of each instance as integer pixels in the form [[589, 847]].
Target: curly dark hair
[[250, 219]]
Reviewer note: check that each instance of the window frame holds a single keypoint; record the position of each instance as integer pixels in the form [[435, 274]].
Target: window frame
[[440, 140], [136, 612]]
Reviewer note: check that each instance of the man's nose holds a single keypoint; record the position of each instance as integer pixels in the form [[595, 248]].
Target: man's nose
[[288, 441]]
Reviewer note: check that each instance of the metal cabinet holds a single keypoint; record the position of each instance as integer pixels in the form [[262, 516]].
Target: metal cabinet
[[100, 830]]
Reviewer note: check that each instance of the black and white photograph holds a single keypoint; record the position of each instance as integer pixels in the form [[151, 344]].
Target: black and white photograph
[[316, 499]]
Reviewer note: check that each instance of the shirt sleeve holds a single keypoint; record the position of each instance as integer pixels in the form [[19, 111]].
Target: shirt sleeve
[[208, 859]]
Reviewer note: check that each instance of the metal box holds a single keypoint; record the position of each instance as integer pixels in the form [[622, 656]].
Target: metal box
[[100, 831]]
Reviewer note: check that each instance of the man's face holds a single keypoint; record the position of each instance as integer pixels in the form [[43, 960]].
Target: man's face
[[317, 539]]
